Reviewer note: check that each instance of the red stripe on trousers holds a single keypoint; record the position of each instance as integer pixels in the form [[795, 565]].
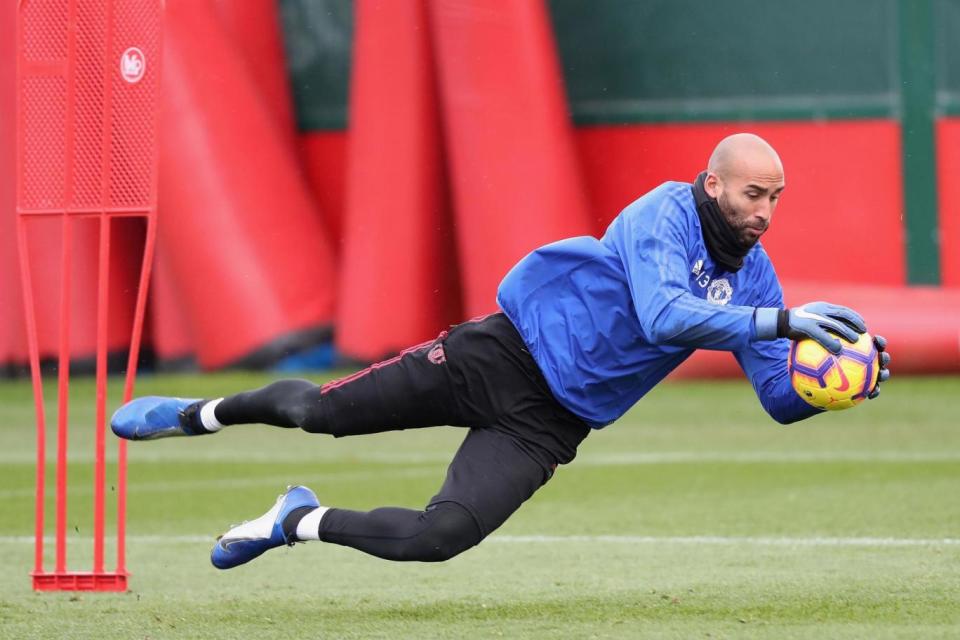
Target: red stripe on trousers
[[359, 374]]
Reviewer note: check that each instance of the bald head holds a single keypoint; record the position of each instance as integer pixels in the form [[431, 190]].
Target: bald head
[[745, 176], [744, 153]]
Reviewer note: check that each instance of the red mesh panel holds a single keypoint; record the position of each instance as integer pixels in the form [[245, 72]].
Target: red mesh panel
[[132, 139], [44, 114], [88, 125], [45, 22]]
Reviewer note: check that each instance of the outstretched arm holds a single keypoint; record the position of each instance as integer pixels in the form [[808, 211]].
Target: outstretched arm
[[652, 245]]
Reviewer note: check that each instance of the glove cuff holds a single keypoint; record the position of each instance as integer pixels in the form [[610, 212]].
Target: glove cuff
[[783, 323], [765, 320]]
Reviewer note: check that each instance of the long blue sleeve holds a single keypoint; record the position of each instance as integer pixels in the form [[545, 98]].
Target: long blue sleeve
[[652, 244]]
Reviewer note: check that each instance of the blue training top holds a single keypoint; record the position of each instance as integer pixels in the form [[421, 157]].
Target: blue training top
[[608, 319]]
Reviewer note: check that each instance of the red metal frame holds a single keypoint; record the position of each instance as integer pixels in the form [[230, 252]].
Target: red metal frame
[[61, 578]]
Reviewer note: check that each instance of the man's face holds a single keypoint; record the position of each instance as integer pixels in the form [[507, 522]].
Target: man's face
[[748, 202]]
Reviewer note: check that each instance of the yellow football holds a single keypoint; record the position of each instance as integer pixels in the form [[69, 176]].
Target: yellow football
[[834, 382]]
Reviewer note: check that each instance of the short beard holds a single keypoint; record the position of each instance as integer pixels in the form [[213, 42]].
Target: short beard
[[739, 228]]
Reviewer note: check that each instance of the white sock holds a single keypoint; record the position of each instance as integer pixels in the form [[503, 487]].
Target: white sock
[[309, 526], [208, 418]]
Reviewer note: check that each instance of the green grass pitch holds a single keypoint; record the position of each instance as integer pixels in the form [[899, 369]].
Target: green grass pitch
[[695, 516]]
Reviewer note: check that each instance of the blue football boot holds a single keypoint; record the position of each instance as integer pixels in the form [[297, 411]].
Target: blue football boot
[[246, 541], [152, 417]]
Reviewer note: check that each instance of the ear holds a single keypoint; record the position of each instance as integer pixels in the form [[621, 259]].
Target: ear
[[712, 185]]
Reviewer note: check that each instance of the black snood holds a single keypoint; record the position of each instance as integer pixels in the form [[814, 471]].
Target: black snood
[[720, 238]]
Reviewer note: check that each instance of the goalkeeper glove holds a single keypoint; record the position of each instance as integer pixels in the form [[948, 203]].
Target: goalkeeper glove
[[816, 320], [884, 358]]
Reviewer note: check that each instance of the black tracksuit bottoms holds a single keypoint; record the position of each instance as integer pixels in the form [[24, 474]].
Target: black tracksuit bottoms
[[478, 375]]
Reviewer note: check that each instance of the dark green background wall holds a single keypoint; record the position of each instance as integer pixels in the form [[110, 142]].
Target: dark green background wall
[[946, 18], [627, 60], [643, 61], [318, 35], [750, 59]]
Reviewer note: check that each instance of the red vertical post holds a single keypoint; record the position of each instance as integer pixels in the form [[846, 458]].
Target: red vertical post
[[99, 476], [66, 308], [26, 287], [63, 393], [13, 348], [103, 282]]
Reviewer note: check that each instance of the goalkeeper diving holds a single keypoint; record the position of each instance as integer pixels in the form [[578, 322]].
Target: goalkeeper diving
[[585, 328]]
